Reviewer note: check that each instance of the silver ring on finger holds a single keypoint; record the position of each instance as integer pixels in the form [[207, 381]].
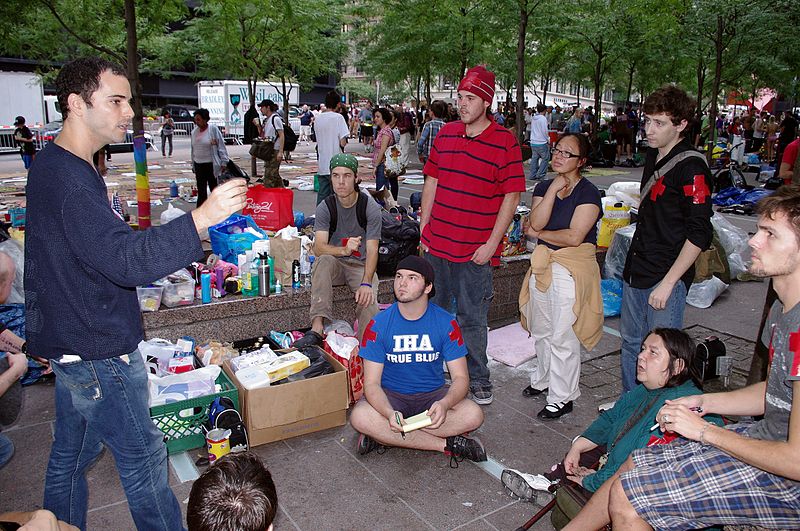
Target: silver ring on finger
[[666, 419]]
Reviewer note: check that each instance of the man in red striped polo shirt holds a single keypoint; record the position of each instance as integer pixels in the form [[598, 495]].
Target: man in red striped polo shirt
[[473, 179]]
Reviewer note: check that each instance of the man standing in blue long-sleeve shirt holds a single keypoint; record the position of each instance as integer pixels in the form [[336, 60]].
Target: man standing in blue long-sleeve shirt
[[82, 266]]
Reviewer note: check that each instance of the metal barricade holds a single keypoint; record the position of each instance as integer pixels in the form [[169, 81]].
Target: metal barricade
[[8, 144]]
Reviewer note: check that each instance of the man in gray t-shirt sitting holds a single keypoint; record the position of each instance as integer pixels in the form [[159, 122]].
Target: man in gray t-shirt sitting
[[347, 230]]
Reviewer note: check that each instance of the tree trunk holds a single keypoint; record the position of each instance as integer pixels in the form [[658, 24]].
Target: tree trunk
[[545, 87], [631, 72], [701, 79], [428, 84], [139, 144], [598, 85], [463, 47], [251, 87], [285, 95], [522, 30], [712, 118]]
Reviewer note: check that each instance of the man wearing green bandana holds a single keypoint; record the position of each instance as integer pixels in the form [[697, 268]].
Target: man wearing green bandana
[[347, 230]]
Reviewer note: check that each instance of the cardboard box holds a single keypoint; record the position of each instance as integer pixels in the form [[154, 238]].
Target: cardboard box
[[296, 408]]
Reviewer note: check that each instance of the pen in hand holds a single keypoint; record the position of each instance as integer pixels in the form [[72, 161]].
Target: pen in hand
[[397, 418]]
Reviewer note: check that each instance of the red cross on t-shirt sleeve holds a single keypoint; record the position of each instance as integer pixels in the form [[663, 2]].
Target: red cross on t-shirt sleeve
[[369, 334], [698, 190], [794, 348], [657, 189], [455, 333]]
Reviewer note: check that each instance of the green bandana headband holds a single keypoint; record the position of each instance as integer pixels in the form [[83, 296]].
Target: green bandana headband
[[346, 160]]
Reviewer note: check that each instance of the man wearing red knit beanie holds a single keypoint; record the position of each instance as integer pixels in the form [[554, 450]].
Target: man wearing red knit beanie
[[473, 179]]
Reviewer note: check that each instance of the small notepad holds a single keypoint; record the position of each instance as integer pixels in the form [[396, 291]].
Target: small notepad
[[416, 422]]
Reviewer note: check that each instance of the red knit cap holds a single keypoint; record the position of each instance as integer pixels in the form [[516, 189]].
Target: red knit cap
[[480, 82]]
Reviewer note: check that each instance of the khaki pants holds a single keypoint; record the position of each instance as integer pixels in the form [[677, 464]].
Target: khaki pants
[[330, 271]]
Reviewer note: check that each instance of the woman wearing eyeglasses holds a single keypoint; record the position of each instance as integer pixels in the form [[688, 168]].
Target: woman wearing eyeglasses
[[560, 301]]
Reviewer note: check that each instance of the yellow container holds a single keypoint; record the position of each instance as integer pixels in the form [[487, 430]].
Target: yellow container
[[219, 444]]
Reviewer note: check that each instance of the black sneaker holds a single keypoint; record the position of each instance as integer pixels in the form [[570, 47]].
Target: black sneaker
[[366, 444], [553, 411], [459, 448], [482, 396]]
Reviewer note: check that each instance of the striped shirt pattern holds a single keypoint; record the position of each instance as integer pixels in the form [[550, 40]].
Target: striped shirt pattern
[[473, 176]]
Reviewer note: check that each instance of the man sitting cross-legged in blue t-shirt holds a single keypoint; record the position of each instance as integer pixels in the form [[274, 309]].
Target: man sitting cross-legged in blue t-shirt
[[403, 348]]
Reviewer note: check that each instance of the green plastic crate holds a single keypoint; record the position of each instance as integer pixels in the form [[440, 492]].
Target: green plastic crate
[[181, 422]]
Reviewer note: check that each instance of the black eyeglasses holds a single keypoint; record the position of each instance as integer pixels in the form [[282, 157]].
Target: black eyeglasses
[[565, 154]]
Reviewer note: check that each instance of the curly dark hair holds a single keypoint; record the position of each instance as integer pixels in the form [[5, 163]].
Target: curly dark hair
[[673, 101], [82, 76]]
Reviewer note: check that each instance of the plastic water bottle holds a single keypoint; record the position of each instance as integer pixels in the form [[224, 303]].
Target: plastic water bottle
[[173, 189], [296, 274], [205, 286], [250, 284], [305, 272]]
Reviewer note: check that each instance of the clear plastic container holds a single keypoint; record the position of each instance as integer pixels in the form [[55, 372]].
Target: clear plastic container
[[178, 293], [149, 297]]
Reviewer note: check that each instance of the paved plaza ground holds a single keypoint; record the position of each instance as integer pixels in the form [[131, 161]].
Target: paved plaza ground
[[322, 483]]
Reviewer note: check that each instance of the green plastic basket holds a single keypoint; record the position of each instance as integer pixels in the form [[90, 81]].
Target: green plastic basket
[[181, 422]]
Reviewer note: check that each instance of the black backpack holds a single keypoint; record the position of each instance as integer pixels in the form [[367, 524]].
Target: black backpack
[[289, 136], [399, 232], [222, 414], [399, 238]]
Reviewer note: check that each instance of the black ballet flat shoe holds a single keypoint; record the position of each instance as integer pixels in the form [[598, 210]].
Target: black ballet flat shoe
[[553, 411], [530, 392]]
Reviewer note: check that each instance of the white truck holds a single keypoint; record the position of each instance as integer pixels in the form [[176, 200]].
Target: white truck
[[227, 101]]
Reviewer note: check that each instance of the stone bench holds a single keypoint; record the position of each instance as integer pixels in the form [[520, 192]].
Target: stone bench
[[234, 317]]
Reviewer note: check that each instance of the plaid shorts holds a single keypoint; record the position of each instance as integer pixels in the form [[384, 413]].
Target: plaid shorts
[[685, 485]]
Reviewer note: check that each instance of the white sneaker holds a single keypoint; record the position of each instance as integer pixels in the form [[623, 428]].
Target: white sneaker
[[606, 406], [524, 486]]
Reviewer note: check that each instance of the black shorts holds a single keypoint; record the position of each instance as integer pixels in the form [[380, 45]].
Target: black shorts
[[366, 130], [413, 404]]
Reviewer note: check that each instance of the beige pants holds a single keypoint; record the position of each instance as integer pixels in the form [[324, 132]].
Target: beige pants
[[330, 271]]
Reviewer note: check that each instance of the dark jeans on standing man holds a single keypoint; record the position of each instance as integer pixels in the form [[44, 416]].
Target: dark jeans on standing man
[[204, 173], [465, 289], [105, 403]]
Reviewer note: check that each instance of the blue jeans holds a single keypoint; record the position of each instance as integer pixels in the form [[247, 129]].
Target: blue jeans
[[465, 289], [380, 176], [6, 450], [27, 160], [540, 156], [105, 403], [637, 318]]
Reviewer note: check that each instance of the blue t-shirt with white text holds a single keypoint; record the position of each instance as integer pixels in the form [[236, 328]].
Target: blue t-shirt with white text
[[412, 351]]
